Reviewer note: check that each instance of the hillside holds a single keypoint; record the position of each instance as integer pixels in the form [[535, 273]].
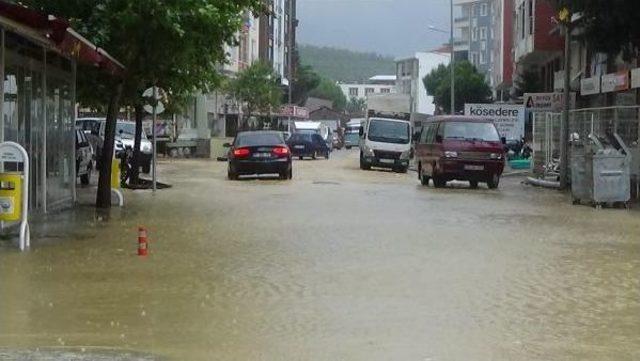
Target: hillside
[[345, 65]]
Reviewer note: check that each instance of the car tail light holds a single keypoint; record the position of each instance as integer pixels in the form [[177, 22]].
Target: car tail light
[[281, 151], [241, 152]]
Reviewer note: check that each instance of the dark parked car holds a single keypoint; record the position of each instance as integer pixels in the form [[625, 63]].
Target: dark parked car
[[461, 148], [259, 152], [306, 144]]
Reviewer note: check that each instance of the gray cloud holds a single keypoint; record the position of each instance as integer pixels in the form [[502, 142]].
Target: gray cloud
[[389, 27]]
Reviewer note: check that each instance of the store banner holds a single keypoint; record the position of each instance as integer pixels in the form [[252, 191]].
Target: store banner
[[508, 118], [635, 78], [590, 86], [547, 102], [615, 82]]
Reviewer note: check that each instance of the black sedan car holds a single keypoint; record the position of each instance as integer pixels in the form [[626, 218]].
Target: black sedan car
[[308, 145], [259, 152]]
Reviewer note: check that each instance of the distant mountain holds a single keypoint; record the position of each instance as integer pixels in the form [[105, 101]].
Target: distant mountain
[[345, 65]]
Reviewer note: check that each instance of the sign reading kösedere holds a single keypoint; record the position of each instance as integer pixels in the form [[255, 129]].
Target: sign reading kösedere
[[508, 118]]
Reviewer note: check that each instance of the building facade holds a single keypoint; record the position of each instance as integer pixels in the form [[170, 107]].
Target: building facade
[[379, 84], [39, 55], [502, 67], [474, 33], [410, 73], [537, 48]]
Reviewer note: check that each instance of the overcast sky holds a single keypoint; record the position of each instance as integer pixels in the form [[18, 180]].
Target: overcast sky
[[389, 27]]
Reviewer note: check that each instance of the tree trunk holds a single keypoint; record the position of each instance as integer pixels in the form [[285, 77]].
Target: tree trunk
[[135, 169], [103, 197]]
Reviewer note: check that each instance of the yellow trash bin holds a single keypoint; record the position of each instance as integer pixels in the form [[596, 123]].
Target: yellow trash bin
[[10, 196], [115, 173]]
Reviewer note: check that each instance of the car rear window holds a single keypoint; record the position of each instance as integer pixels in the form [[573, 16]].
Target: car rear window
[[301, 137], [254, 139], [471, 131]]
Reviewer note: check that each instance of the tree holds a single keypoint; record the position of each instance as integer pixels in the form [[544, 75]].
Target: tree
[[611, 26], [304, 81], [529, 82], [470, 86], [329, 90], [357, 106], [257, 87], [173, 44]]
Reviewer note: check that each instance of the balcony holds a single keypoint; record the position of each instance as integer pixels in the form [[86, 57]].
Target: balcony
[[461, 22]]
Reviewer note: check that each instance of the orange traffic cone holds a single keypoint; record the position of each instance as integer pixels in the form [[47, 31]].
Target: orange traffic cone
[[142, 241]]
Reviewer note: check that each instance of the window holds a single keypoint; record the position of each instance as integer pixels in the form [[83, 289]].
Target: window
[[389, 131], [385, 90], [483, 33], [475, 60], [483, 9], [480, 131], [474, 10], [474, 34], [368, 91], [522, 21], [428, 134], [483, 45], [483, 57], [353, 92], [531, 20]]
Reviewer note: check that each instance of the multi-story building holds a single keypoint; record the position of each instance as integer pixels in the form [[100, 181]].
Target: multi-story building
[[474, 33], [277, 31], [502, 50], [536, 47], [379, 84], [410, 73]]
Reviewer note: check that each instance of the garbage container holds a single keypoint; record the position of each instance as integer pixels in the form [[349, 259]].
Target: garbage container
[[600, 173]]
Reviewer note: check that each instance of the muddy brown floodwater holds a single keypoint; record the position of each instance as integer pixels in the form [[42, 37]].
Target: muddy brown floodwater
[[337, 264]]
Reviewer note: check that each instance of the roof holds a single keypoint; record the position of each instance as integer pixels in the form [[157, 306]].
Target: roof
[[57, 34], [457, 118], [383, 78]]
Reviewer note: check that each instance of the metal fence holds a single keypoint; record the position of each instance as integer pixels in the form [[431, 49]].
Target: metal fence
[[546, 144], [623, 120]]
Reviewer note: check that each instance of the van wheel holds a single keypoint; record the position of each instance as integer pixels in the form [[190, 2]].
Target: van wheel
[[494, 182], [424, 179], [363, 164], [439, 182], [473, 184]]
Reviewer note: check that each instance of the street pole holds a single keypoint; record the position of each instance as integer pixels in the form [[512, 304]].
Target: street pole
[[153, 137], [453, 74], [289, 61], [564, 125]]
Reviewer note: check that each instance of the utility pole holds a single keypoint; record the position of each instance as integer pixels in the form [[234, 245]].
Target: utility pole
[[290, 60], [565, 18], [452, 66]]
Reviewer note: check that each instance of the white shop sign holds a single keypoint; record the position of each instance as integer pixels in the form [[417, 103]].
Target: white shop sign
[[508, 118]]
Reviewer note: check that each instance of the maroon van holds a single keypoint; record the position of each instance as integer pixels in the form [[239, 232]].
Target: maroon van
[[459, 148]]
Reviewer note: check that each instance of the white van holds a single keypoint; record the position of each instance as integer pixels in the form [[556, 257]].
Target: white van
[[386, 143]]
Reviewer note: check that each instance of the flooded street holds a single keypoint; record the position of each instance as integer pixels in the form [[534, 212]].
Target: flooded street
[[337, 264]]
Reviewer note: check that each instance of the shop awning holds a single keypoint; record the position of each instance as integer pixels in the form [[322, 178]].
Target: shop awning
[[61, 37]]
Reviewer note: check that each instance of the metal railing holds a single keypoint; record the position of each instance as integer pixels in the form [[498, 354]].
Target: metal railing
[[623, 120]]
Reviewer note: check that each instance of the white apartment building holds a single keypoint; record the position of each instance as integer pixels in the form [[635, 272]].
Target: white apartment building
[[410, 73], [379, 84]]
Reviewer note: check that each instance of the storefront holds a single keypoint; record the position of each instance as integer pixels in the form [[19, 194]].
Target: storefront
[[38, 63]]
